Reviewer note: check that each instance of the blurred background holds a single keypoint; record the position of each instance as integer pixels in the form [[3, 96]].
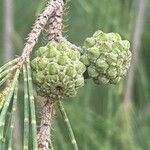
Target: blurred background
[[103, 117]]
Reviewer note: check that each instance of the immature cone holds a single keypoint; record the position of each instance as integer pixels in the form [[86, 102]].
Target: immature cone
[[106, 56], [57, 71]]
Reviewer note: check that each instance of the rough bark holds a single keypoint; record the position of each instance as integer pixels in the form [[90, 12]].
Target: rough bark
[[44, 134], [56, 25], [56, 21]]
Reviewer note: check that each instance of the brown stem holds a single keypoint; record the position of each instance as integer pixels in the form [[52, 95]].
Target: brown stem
[[56, 21], [45, 127], [56, 25], [38, 26]]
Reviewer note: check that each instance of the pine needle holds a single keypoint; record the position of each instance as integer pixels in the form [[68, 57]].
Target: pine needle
[[14, 108], [66, 120], [5, 66], [6, 105], [3, 80], [7, 71], [9, 115], [3, 74], [32, 107], [26, 111]]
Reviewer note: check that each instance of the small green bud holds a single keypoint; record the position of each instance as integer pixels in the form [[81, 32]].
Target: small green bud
[[41, 50], [66, 79], [123, 54], [112, 72], [113, 37], [105, 47], [52, 78], [62, 60], [79, 82], [93, 53], [119, 62], [98, 33], [80, 68], [129, 55], [51, 53], [34, 63], [124, 71], [100, 36], [92, 72], [122, 45], [62, 76], [117, 45], [102, 64], [70, 71], [89, 42], [39, 78], [126, 44], [73, 55], [53, 68], [112, 57], [85, 60], [62, 47], [42, 64]]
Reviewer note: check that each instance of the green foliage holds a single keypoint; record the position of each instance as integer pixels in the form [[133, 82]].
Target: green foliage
[[97, 113]]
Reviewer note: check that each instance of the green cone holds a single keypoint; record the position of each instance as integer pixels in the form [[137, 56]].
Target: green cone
[[106, 56], [57, 71]]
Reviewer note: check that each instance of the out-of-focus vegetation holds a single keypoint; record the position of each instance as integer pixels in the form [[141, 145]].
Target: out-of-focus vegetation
[[100, 118]]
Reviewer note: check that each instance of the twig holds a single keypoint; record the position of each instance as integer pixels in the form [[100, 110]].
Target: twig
[[56, 25], [135, 50], [44, 133], [37, 28], [56, 21]]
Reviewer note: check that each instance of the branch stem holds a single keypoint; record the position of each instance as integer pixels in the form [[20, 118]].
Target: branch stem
[[45, 127], [38, 26]]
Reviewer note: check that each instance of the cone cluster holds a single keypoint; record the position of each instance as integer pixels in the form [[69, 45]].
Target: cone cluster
[[106, 56], [57, 71]]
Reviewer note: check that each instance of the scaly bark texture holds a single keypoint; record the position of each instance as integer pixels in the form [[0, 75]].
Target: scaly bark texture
[[45, 127], [56, 25], [56, 21]]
